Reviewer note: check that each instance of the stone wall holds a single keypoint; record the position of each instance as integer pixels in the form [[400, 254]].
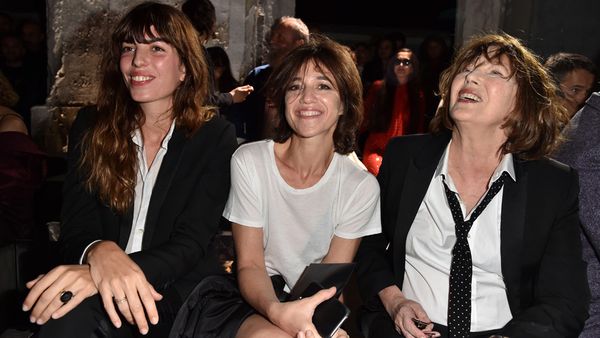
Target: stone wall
[[546, 26], [78, 31]]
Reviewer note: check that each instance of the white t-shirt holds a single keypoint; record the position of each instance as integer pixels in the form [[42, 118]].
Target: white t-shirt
[[298, 224]]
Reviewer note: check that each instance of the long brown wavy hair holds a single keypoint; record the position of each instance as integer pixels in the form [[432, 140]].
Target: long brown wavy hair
[[109, 159], [329, 55], [534, 127]]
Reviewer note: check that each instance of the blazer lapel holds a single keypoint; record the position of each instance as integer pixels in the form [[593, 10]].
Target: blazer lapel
[[167, 171], [418, 177], [512, 226], [125, 224]]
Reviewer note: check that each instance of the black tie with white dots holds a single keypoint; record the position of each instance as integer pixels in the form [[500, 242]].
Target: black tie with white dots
[[461, 270]]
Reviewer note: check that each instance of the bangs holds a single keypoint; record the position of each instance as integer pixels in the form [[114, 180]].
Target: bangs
[[492, 51], [321, 66], [144, 27]]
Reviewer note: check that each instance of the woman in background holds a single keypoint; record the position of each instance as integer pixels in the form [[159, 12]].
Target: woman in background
[[394, 106]]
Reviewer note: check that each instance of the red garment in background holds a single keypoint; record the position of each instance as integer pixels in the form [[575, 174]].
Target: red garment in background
[[399, 124]]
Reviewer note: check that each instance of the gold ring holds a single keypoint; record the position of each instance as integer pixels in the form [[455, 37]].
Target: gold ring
[[119, 301]]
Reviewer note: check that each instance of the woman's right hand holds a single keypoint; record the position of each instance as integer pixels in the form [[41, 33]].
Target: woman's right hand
[[45, 292], [239, 94], [296, 316], [403, 311]]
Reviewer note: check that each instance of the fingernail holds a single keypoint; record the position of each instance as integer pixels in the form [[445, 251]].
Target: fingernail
[[39, 322], [117, 324], [154, 320], [32, 319], [144, 331], [25, 307]]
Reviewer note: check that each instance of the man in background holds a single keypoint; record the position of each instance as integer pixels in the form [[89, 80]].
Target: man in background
[[575, 75], [255, 120]]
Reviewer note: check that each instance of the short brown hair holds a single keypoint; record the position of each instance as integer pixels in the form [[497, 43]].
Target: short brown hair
[[535, 124], [329, 55]]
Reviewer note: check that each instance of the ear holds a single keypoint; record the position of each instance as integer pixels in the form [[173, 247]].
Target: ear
[[181, 73]]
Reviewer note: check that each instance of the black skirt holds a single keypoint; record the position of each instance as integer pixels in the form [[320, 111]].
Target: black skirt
[[215, 308]]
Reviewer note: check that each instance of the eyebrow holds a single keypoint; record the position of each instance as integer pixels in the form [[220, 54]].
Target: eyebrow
[[146, 41], [320, 77]]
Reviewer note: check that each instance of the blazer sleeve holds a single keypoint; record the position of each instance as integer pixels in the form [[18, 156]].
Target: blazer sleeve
[[222, 100], [80, 217], [374, 256], [559, 306], [198, 221]]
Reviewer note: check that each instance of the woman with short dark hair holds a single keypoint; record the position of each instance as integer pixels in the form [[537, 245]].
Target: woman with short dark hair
[[480, 229]]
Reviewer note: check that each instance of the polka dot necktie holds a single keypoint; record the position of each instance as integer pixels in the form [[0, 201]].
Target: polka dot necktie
[[461, 270]]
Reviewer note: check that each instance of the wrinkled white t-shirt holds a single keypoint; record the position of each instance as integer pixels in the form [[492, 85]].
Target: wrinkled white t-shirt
[[298, 224]]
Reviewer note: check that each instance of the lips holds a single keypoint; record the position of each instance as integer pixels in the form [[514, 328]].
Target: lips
[[468, 96], [309, 113], [137, 80]]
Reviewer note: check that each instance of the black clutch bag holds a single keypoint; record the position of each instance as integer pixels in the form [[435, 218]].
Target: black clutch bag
[[330, 314]]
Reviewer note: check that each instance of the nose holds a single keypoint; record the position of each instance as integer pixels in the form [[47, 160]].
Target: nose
[[140, 57], [472, 76], [307, 95]]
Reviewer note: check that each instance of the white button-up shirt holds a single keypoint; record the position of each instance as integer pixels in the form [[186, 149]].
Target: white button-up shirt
[[429, 253], [146, 178]]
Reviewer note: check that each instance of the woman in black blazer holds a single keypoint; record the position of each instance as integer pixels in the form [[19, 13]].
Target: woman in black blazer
[[480, 232], [148, 178]]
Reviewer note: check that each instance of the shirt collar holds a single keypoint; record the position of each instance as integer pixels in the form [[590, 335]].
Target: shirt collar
[[506, 164], [136, 136]]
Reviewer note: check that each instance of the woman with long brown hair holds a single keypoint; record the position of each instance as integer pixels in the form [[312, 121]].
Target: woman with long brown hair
[[148, 178]]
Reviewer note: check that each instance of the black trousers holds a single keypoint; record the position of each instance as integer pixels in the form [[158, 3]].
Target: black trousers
[[90, 320], [380, 325]]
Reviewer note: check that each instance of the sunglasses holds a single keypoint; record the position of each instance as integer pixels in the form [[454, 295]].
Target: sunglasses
[[402, 62]]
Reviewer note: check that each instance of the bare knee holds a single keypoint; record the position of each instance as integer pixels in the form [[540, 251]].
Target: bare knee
[[257, 326]]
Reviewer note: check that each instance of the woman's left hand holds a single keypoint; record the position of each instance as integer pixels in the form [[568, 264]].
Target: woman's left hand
[[120, 281], [46, 291], [340, 333]]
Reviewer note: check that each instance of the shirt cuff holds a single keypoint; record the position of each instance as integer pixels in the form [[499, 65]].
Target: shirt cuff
[[82, 258]]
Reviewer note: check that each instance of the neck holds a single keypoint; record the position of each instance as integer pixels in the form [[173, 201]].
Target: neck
[[307, 156], [157, 123], [476, 150], [156, 115]]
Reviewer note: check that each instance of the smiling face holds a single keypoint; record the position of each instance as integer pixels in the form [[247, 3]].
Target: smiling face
[[312, 102], [484, 93], [152, 70]]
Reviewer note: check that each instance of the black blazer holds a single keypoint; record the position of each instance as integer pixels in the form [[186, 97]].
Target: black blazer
[[184, 212], [543, 271]]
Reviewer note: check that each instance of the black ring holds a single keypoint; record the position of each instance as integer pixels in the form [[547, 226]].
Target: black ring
[[66, 296]]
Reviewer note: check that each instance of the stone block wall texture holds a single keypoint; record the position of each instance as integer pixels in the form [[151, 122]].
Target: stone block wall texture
[[546, 26], [78, 30]]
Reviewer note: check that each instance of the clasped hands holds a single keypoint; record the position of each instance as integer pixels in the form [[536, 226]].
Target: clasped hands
[[110, 272]]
